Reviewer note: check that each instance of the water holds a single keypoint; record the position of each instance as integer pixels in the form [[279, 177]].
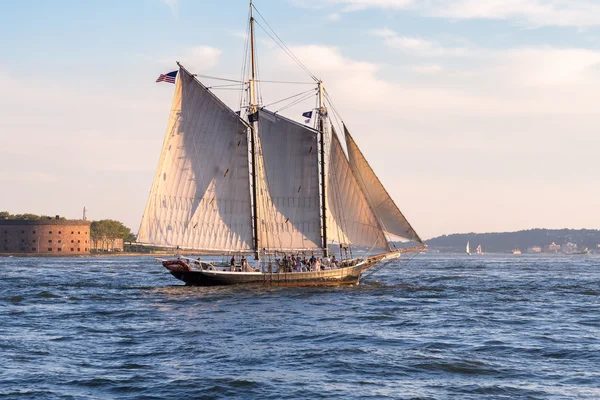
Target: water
[[439, 327]]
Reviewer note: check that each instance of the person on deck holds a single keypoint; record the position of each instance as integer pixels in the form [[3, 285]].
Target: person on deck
[[245, 265], [298, 265], [232, 264], [334, 262]]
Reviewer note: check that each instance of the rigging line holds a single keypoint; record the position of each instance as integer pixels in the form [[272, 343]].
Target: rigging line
[[288, 52], [288, 98], [294, 103], [286, 82], [245, 58], [332, 105], [219, 79], [222, 86], [259, 87], [335, 110], [334, 113]]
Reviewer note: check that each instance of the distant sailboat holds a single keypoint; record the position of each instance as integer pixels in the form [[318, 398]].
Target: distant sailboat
[[256, 183], [478, 251], [468, 249]]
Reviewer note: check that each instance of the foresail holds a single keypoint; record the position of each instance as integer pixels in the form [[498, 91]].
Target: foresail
[[391, 219], [350, 219], [200, 197], [288, 184]]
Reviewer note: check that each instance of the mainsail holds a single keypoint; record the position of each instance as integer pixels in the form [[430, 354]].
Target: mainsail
[[200, 197], [288, 184], [387, 212], [352, 220]]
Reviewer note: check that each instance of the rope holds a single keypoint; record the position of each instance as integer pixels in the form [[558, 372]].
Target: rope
[[284, 47], [288, 98], [245, 61], [289, 83], [295, 102], [219, 79], [224, 86]]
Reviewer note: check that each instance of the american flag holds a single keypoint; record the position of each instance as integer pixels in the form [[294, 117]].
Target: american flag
[[169, 78]]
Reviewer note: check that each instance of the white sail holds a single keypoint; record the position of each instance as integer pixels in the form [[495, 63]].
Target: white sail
[[468, 248], [288, 185], [350, 219], [200, 198], [389, 216]]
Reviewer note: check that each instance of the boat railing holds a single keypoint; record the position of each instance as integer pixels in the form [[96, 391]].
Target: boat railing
[[267, 267]]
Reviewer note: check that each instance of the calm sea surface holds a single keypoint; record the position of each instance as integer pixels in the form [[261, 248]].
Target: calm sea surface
[[437, 327]]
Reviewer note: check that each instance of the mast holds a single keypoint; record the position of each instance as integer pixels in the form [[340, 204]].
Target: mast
[[251, 111], [322, 115]]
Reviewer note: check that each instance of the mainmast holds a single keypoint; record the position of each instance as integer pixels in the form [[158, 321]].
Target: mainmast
[[252, 117], [322, 116]]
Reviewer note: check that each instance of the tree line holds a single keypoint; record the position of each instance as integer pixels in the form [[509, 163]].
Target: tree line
[[26, 216]]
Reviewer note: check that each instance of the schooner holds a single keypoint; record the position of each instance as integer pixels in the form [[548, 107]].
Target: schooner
[[256, 184]]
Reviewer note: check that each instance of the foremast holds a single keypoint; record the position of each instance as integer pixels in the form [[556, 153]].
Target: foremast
[[252, 118]]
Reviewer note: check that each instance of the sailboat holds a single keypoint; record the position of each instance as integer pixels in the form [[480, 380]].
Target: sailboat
[[256, 184], [468, 249], [478, 250]]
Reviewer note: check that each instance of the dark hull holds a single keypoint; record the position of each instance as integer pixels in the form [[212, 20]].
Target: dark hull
[[336, 277]]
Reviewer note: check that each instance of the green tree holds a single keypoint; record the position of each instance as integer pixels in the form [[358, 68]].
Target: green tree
[[109, 230]]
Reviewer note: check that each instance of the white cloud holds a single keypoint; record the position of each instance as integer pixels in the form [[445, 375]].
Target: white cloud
[[356, 5], [549, 66], [334, 17], [532, 12], [535, 13], [416, 46]]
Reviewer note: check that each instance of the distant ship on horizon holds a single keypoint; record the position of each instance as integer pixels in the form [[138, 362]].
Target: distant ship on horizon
[[479, 251]]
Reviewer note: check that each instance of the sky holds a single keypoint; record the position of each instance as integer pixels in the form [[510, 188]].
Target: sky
[[477, 115]]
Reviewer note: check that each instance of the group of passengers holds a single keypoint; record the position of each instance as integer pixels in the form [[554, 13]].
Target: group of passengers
[[290, 264], [302, 264]]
